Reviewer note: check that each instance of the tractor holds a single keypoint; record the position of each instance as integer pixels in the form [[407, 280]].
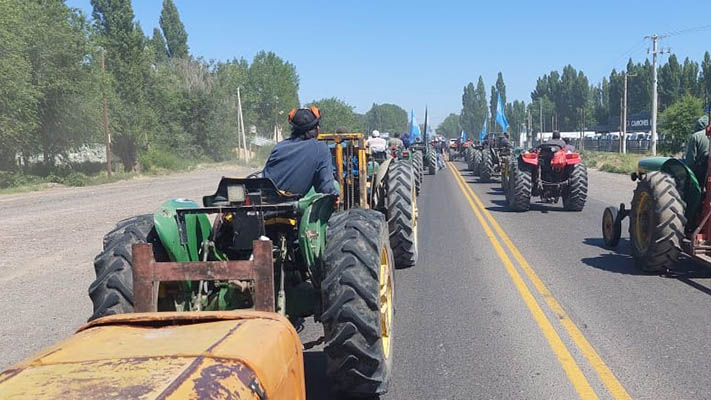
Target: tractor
[[389, 187], [494, 154], [475, 155], [429, 156], [330, 257], [415, 157], [670, 214], [549, 172]]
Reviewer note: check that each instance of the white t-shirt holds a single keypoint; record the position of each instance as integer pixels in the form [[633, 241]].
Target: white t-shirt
[[377, 144]]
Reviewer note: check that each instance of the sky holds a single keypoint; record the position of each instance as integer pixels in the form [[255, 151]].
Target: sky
[[418, 53]]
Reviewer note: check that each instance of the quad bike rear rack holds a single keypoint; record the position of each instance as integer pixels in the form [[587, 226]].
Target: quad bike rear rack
[[147, 273]]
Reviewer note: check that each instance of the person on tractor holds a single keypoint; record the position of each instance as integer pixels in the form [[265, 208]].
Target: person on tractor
[[395, 141], [406, 140], [504, 140], [376, 143], [697, 150], [555, 140], [301, 162], [569, 148]]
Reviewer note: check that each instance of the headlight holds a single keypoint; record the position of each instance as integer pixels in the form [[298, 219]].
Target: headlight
[[235, 193]]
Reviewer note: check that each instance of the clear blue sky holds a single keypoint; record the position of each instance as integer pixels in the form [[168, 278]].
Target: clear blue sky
[[414, 53]]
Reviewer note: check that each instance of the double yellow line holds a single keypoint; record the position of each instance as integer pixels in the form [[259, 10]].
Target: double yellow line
[[570, 366]]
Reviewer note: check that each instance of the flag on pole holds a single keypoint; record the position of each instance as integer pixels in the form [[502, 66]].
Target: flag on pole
[[482, 135], [427, 126], [463, 136], [500, 117], [414, 128]]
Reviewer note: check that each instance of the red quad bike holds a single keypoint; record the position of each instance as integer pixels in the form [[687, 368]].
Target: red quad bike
[[550, 173]]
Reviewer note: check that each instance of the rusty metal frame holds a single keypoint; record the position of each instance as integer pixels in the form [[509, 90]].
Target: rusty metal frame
[[147, 273]]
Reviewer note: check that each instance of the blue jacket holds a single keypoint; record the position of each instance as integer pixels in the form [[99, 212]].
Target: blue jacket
[[296, 165]]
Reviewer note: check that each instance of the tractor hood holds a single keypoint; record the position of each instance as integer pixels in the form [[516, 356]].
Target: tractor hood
[[216, 355]]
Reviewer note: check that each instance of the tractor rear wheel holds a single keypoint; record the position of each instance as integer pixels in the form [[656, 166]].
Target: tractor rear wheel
[[468, 154], [357, 295], [417, 164], [656, 222], [520, 188], [486, 169], [432, 162], [401, 212], [475, 162], [112, 290], [577, 190]]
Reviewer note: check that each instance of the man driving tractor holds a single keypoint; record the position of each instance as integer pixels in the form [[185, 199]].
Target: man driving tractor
[[301, 162]]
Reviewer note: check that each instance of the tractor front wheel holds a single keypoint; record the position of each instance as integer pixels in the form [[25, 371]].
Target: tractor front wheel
[[112, 290], [357, 295], [656, 222]]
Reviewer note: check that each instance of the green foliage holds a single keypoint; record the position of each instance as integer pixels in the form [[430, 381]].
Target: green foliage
[[474, 108], [338, 114], [174, 31], [159, 47], [678, 121], [386, 118], [450, 127], [157, 159], [612, 162]]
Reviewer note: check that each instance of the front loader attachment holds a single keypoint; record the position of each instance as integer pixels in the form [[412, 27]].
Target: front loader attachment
[[171, 355]]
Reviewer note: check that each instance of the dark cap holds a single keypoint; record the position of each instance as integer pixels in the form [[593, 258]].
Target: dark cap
[[303, 121]]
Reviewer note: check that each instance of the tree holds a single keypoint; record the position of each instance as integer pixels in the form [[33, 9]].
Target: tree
[[336, 113], [450, 127], [173, 30], [678, 121], [127, 62], [669, 82], [160, 49], [386, 118], [18, 97], [273, 88], [690, 78], [705, 79]]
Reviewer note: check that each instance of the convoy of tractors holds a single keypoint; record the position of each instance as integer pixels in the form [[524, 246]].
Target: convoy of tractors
[[194, 300]]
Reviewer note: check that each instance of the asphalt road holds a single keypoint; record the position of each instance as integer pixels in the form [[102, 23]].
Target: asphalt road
[[553, 315]]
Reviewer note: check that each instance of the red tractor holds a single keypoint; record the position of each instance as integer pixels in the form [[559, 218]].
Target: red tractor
[[549, 172]]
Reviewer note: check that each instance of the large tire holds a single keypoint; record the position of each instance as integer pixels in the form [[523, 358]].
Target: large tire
[[468, 154], [357, 295], [417, 164], [486, 168], [577, 191], [656, 222], [112, 291], [401, 212], [432, 162], [475, 162], [520, 188]]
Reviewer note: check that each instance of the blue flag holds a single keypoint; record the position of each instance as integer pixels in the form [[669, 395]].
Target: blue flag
[[482, 135], [414, 128], [500, 117], [462, 137]]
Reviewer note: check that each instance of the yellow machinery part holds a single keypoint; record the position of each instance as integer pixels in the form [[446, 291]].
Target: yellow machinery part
[[205, 355]]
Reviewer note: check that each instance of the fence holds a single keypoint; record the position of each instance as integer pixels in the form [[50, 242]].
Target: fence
[[612, 145]]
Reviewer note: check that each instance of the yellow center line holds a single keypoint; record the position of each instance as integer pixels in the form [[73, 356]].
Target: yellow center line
[[571, 368], [608, 379]]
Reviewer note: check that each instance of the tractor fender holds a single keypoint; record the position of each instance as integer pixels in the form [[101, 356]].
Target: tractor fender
[[197, 229], [529, 158], [377, 189], [315, 209]]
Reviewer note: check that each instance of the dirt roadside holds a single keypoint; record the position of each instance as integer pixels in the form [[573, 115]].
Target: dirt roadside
[[48, 241]]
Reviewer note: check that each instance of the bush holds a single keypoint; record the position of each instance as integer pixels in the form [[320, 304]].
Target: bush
[[75, 179], [157, 159]]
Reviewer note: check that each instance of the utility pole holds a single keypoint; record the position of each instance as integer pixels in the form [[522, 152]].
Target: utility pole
[[240, 119], [622, 123], [107, 135], [540, 131], [624, 116], [654, 39]]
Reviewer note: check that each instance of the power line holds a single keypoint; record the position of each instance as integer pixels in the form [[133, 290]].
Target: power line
[[686, 31]]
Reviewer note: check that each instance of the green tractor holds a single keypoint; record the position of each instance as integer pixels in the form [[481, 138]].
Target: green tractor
[[332, 263], [669, 215], [428, 155]]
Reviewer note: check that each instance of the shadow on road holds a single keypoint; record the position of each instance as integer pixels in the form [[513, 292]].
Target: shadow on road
[[543, 208], [620, 261]]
